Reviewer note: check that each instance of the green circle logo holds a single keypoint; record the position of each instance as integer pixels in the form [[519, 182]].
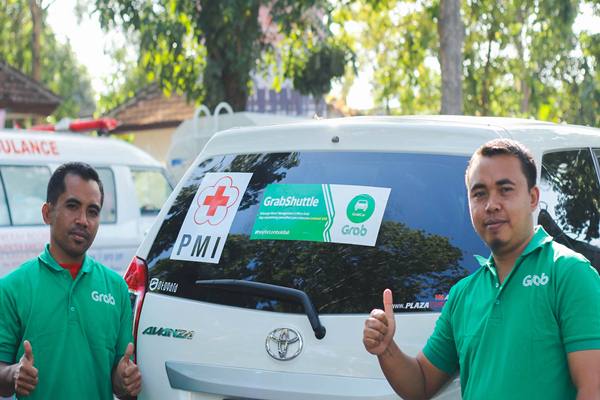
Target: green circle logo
[[360, 208]]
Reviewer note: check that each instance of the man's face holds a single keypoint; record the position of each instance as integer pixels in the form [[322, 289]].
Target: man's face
[[501, 205], [74, 219]]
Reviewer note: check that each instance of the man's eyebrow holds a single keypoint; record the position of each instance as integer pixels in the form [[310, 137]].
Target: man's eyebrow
[[477, 186], [504, 181], [73, 200]]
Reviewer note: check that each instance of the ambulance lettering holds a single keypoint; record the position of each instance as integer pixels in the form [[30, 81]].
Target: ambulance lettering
[[29, 146], [208, 220]]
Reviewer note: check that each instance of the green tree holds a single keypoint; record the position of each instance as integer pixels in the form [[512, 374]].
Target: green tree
[[208, 48], [326, 61], [451, 33], [58, 67], [128, 78], [523, 58], [399, 41]]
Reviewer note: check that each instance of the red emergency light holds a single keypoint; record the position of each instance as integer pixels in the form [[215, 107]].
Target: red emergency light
[[79, 125]]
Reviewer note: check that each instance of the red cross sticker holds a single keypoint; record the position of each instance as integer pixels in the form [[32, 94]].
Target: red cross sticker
[[215, 201]]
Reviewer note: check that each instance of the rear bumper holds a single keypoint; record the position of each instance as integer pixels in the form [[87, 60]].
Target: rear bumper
[[272, 385]]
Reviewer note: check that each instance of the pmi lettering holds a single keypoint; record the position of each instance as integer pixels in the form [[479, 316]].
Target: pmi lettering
[[201, 245]]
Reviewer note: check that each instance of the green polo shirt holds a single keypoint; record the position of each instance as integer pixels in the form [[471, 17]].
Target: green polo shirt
[[510, 340], [78, 329]]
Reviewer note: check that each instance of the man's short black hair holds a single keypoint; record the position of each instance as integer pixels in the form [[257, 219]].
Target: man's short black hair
[[56, 185], [509, 147]]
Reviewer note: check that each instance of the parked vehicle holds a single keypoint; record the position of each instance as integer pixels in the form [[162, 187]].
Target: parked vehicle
[[135, 187], [257, 276]]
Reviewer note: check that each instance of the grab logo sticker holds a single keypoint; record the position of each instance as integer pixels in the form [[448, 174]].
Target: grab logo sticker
[[208, 220]]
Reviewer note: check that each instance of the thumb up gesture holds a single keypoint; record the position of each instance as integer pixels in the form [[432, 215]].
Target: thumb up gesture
[[25, 375], [380, 326], [127, 379]]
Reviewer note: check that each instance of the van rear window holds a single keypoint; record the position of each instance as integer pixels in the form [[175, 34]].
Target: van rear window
[[425, 242]]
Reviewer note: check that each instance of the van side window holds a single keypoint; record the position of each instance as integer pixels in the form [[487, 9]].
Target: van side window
[[25, 188], [152, 190], [4, 216], [570, 201], [109, 208]]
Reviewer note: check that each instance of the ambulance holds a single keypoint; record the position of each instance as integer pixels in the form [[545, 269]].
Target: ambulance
[[135, 187]]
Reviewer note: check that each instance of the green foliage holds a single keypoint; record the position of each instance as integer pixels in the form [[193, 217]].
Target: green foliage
[[208, 48], [124, 83], [521, 58], [524, 59], [324, 62], [398, 40], [61, 73]]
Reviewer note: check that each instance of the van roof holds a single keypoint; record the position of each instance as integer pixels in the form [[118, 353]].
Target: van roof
[[459, 135], [21, 146]]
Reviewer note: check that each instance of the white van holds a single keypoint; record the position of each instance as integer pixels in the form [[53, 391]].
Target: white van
[[135, 187], [261, 268]]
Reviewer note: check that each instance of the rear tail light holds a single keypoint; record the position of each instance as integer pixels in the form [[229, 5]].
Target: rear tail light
[[136, 277]]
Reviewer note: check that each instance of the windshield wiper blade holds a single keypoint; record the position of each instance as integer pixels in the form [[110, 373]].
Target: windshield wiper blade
[[271, 291]]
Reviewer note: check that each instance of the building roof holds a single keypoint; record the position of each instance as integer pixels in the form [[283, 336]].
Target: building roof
[[149, 109], [20, 93]]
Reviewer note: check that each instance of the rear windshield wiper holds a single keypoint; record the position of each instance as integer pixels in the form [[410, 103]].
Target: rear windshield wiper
[[271, 291]]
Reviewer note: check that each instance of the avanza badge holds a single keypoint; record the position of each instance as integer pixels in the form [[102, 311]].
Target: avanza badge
[[207, 223]]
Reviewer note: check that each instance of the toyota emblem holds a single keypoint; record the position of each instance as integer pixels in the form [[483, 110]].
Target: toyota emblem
[[283, 344]]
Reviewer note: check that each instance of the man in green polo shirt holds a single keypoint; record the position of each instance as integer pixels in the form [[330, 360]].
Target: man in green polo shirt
[[65, 320], [526, 325]]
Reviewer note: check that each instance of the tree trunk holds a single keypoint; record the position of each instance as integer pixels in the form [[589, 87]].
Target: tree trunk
[[36, 34], [485, 89], [451, 31], [520, 44], [236, 90]]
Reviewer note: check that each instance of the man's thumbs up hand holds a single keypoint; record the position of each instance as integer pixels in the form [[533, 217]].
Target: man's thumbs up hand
[[380, 326], [25, 375], [126, 359], [127, 380]]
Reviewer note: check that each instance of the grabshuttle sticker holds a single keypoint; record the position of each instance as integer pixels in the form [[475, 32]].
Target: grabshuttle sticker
[[204, 231], [321, 213]]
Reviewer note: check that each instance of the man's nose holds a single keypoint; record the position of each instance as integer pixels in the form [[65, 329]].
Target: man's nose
[[493, 203], [82, 218]]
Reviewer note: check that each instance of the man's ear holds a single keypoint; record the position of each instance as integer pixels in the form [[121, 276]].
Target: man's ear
[[46, 210], [534, 197]]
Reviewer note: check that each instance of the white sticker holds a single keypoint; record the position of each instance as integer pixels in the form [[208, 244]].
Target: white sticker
[[358, 213], [207, 223]]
